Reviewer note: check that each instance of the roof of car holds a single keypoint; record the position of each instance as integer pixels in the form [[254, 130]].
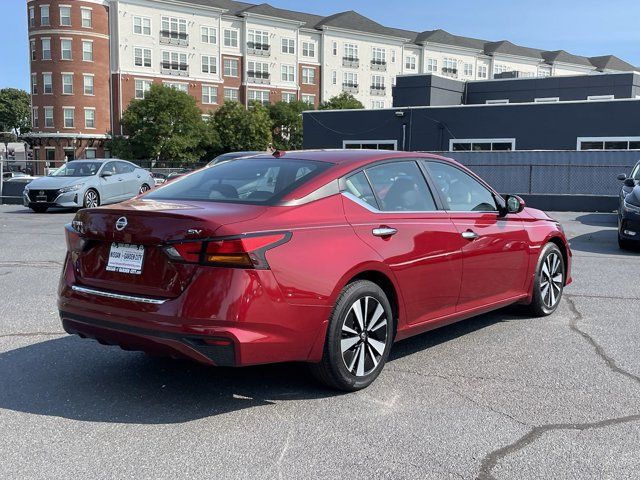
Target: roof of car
[[347, 156]]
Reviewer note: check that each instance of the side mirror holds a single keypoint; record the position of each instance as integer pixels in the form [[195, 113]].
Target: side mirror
[[629, 182], [514, 204], [622, 177], [106, 174]]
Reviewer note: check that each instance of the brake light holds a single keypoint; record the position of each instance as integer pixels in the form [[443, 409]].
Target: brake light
[[75, 242], [234, 252]]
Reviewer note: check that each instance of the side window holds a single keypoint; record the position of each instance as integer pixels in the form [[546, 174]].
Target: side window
[[462, 192], [125, 167], [636, 172], [358, 185], [111, 167], [400, 186]]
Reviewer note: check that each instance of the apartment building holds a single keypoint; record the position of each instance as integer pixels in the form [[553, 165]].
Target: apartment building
[[91, 58]]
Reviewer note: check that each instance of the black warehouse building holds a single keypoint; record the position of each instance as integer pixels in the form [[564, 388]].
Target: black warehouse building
[[432, 113]]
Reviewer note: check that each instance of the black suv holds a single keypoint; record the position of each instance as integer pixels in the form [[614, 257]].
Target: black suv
[[629, 209]]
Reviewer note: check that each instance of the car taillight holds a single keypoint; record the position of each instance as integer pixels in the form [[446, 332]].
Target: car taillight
[[246, 251], [75, 242]]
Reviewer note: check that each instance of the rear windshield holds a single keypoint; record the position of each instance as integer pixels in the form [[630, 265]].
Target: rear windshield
[[255, 181]]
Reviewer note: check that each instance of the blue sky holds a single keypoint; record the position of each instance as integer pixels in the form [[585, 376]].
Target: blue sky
[[583, 27]]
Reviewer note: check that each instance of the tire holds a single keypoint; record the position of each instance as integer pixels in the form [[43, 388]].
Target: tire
[[39, 209], [91, 199], [548, 287], [624, 244], [144, 189], [366, 348]]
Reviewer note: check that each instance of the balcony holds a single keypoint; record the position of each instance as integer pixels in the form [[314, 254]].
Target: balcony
[[351, 62], [263, 78], [350, 87], [258, 49], [378, 90], [379, 65], [168, 37], [174, 68], [450, 71]]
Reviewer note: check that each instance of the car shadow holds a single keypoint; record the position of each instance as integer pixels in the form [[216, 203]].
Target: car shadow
[[603, 242], [51, 211], [599, 219], [82, 380]]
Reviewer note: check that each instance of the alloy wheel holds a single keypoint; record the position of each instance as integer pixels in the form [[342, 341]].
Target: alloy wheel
[[144, 188], [551, 280], [364, 336], [91, 199]]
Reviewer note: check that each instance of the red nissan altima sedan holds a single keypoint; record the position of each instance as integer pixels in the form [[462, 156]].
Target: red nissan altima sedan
[[325, 257]]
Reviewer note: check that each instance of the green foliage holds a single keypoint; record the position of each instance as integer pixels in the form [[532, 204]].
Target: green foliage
[[344, 101], [166, 125], [15, 111], [242, 129], [286, 120]]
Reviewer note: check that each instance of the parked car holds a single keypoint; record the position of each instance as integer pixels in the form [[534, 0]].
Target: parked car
[[9, 175], [325, 257], [629, 209], [158, 178], [232, 156], [87, 183]]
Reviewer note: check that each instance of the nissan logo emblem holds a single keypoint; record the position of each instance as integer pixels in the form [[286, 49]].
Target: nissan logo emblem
[[121, 223]]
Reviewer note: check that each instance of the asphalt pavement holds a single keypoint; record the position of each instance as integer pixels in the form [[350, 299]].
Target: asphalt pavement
[[497, 396]]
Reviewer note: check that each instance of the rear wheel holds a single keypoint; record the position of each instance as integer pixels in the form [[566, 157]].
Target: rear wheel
[[359, 338], [144, 188], [39, 208], [91, 199], [549, 282]]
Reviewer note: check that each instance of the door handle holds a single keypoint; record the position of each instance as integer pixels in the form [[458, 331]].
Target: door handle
[[470, 235], [384, 232]]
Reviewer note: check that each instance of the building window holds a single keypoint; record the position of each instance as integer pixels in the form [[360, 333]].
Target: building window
[[482, 145], [600, 97], [547, 100], [500, 68], [308, 76], [350, 80], [288, 97], [410, 63], [608, 143], [209, 95], [258, 70], [231, 38], [393, 56], [334, 77], [32, 47], [350, 52], [46, 48], [231, 67], [89, 118], [258, 39], [142, 26], [142, 57], [181, 87], [66, 49], [287, 73], [87, 17], [34, 84], [32, 16], [44, 16], [231, 94], [468, 70], [261, 96], [175, 61], [48, 117], [544, 71], [34, 118], [67, 83], [88, 84], [308, 49], [69, 117], [377, 104], [87, 51], [450, 66], [288, 45], [310, 99], [142, 87], [65, 16], [335, 49], [209, 64], [209, 35], [371, 144], [483, 71], [497, 101], [174, 28], [90, 153], [432, 65], [47, 84], [377, 83], [378, 56]]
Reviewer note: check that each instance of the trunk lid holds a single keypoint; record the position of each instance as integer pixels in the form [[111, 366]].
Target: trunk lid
[[151, 224]]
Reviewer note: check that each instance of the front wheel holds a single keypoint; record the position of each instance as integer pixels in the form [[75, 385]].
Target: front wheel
[[359, 338], [549, 282], [91, 199], [144, 189], [623, 243]]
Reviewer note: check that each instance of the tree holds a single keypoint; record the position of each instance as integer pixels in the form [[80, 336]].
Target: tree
[[166, 125], [15, 111], [344, 101], [286, 121], [242, 129]]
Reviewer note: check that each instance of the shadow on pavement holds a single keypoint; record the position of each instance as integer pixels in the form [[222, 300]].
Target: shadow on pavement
[[602, 242], [81, 380], [599, 219], [20, 210]]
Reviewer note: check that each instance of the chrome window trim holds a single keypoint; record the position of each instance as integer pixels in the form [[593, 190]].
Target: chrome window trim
[[130, 298]]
